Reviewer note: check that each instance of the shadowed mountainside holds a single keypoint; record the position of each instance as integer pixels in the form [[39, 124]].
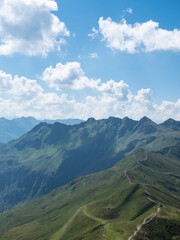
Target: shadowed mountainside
[[135, 199], [51, 155]]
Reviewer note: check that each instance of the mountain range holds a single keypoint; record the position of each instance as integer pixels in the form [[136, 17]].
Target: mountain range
[[137, 199], [51, 155], [14, 128]]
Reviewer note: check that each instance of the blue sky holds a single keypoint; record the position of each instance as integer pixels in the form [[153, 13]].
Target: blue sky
[[77, 59]]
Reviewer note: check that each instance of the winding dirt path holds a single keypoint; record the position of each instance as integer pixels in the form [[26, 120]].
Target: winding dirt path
[[145, 158], [146, 220], [127, 177], [149, 196], [125, 173], [61, 232]]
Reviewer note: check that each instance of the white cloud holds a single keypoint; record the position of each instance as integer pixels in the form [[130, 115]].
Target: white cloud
[[69, 75], [93, 55], [18, 87], [129, 10], [144, 96], [20, 96], [167, 110], [103, 107], [94, 33], [118, 90], [28, 27], [112, 98], [147, 36]]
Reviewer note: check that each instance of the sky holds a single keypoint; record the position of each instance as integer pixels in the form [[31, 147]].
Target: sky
[[80, 59]]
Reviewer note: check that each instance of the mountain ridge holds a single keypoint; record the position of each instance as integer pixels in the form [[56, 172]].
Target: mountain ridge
[[16, 127], [51, 155], [105, 205]]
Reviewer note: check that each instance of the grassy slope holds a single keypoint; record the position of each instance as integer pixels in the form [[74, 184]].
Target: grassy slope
[[164, 226], [53, 155], [102, 205], [47, 144]]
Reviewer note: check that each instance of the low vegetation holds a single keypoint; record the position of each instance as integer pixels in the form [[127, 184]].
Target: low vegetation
[[105, 205]]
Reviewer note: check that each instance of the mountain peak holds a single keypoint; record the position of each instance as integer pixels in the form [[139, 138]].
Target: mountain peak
[[145, 119], [91, 119], [146, 125], [126, 119], [171, 123]]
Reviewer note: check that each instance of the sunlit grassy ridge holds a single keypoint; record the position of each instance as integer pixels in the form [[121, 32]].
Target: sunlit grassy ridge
[[104, 205], [50, 156]]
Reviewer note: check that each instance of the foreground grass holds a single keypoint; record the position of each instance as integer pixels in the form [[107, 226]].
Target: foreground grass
[[102, 206]]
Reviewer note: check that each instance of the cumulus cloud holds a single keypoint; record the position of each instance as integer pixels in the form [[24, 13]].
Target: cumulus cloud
[[103, 107], [147, 36], [167, 110], [118, 90], [69, 75], [111, 98], [18, 87], [29, 27], [144, 96], [20, 96]]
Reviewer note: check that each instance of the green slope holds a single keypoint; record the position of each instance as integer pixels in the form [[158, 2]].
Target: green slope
[[50, 156], [106, 205]]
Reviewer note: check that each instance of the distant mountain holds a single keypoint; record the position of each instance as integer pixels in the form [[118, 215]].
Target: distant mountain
[[137, 199], [13, 129], [171, 123], [51, 155]]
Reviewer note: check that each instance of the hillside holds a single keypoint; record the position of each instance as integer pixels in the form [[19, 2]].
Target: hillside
[[51, 155], [135, 199], [15, 128]]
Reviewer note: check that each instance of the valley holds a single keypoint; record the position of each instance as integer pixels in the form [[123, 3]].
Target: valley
[[104, 205], [51, 155]]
